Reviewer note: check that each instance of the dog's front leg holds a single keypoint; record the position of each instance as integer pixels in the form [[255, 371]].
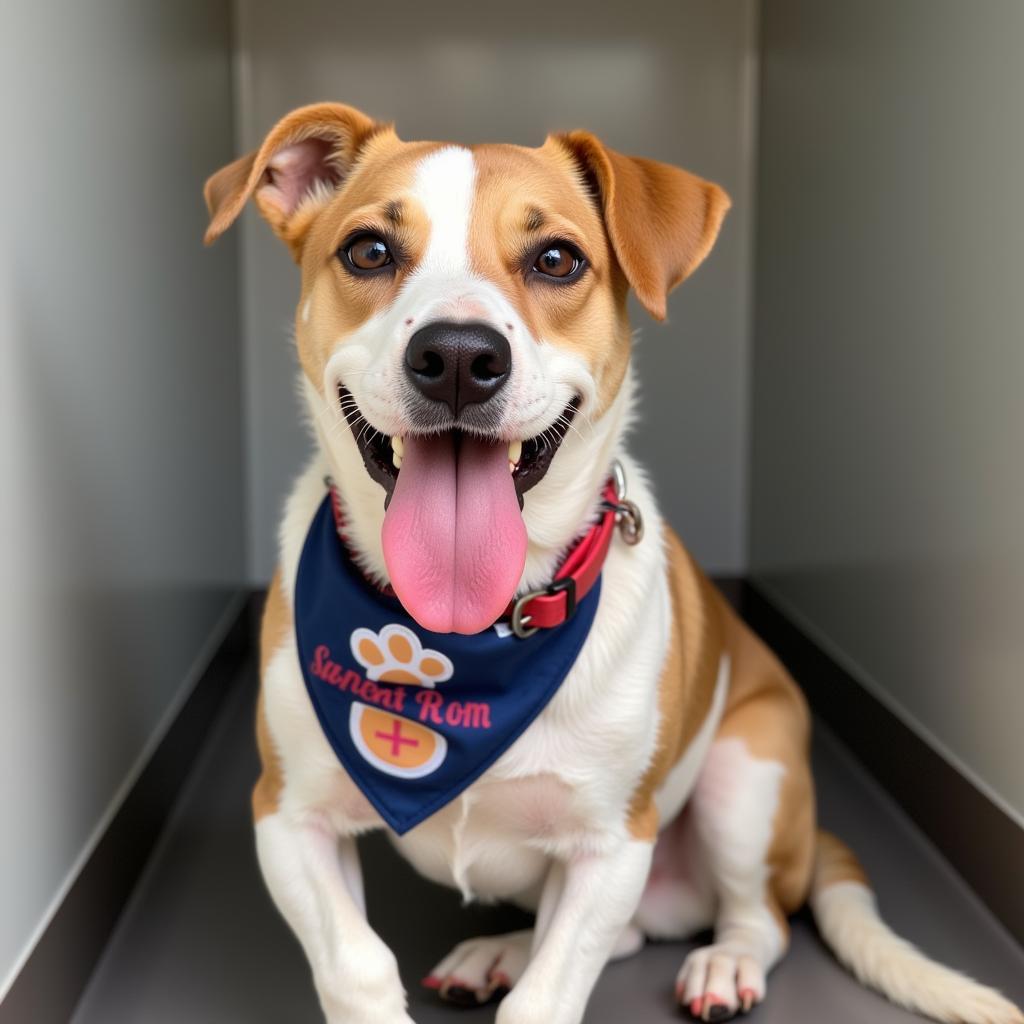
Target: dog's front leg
[[593, 902], [316, 882]]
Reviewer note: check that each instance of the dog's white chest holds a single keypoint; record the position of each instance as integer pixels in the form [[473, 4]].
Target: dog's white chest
[[490, 841]]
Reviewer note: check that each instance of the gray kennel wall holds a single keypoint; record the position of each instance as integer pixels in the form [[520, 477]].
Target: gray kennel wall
[[887, 509], [121, 503]]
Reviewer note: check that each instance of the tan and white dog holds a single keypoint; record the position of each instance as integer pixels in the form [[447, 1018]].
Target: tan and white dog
[[665, 788]]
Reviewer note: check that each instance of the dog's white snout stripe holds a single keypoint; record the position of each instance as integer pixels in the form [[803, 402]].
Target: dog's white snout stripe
[[444, 185], [445, 286]]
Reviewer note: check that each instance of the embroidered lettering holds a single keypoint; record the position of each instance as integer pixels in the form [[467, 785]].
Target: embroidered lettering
[[475, 715], [321, 659], [347, 679], [468, 714], [430, 701]]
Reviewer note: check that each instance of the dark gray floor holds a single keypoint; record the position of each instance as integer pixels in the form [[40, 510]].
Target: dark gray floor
[[202, 944]]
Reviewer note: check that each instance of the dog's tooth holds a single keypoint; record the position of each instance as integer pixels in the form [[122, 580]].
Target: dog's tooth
[[398, 446], [396, 459], [515, 452]]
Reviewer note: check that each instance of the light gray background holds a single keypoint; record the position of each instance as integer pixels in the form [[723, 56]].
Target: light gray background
[[120, 411], [673, 81], [888, 495]]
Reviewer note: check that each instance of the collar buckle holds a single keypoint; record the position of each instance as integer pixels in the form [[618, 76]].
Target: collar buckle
[[519, 622]]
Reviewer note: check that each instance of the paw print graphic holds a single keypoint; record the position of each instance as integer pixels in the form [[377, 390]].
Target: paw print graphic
[[395, 655]]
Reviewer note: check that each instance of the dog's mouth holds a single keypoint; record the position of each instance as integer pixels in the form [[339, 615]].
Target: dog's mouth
[[453, 537], [528, 461]]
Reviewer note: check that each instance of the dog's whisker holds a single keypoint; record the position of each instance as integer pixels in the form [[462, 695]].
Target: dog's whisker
[[564, 421]]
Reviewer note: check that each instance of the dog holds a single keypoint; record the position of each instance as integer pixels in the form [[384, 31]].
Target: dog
[[464, 344]]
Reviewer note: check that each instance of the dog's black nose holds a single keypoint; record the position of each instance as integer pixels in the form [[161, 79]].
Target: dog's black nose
[[458, 364]]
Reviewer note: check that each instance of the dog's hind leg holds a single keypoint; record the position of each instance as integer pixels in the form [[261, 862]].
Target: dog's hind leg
[[753, 815], [679, 898], [753, 812], [734, 809]]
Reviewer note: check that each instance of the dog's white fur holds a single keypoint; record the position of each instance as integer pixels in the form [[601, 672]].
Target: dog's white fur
[[560, 793], [546, 825]]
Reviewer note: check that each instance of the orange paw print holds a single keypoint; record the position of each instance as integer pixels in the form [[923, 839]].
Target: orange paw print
[[395, 655]]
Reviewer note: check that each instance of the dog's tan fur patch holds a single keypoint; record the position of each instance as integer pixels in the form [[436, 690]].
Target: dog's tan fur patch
[[379, 186], [277, 624], [687, 684], [835, 863], [764, 709], [768, 713], [525, 197]]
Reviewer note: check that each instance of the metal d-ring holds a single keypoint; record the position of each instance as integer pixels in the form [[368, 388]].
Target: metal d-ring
[[619, 477], [627, 513], [631, 521]]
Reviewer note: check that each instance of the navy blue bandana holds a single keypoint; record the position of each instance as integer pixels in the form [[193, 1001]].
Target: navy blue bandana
[[415, 717]]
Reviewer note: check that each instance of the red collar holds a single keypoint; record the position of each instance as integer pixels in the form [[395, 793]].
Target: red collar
[[552, 605]]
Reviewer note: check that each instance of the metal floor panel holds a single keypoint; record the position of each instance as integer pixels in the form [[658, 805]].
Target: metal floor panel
[[201, 943]]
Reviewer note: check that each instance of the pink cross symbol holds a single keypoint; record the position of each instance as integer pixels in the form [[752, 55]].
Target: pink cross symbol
[[396, 738]]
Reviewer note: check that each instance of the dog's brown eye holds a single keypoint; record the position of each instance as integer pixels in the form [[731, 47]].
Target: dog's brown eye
[[368, 252], [557, 261]]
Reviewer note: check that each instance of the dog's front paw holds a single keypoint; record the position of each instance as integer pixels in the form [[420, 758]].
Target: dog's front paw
[[478, 969], [717, 982]]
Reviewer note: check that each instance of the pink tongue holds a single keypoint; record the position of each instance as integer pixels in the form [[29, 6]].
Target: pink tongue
[[454, 540]]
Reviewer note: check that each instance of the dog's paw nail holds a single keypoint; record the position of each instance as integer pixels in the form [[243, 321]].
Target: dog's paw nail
[[747, 998], [711, 1008], [499, 980], [461, 995]]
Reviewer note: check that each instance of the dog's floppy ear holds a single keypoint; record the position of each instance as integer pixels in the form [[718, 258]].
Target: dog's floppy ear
[[301, 162], [662, 221]]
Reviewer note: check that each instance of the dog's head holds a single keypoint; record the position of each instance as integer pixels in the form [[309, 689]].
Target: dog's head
[[463, 332]]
